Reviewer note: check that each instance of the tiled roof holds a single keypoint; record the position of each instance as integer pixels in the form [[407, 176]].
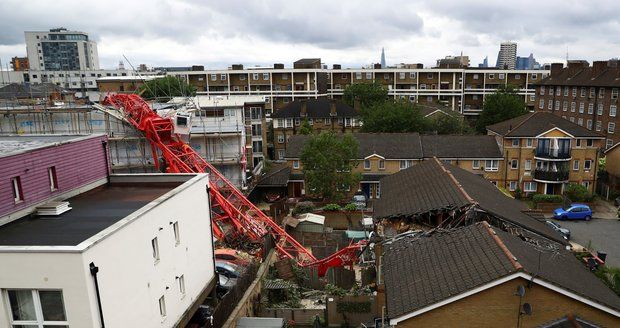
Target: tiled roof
[[460, 146], [276, 177], [434, 186], [535, 123], [315, 108], [424, 269], [585, 76], [427, 109], [388, 145], [41, 90]]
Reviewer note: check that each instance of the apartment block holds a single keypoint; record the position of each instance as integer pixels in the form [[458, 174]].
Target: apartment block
[[322, 115], [543, 152], [583, 94], [61, 49]]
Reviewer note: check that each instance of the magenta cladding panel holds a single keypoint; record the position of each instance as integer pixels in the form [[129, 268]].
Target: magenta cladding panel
[[77, 164]]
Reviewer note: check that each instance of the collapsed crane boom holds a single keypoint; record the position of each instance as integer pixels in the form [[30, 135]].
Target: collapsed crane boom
[[229, 206]]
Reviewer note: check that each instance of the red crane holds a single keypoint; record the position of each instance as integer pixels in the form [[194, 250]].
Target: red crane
[[234, 216]]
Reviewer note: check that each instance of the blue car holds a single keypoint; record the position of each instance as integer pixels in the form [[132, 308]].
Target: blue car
[[574, 212]]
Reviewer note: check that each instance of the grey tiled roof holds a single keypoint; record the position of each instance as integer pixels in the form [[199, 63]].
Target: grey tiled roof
[[276, 177], [535, 123], [421, 270], [460, 146], [315, 108]]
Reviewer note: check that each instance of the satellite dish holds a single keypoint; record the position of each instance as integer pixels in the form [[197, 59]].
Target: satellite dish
[[520, 290], [527, 309]]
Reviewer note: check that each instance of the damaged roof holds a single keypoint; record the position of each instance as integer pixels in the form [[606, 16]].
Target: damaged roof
[[445, 264], [277, 176]]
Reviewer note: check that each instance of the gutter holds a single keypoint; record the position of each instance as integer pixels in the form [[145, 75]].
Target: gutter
[[93, 272]]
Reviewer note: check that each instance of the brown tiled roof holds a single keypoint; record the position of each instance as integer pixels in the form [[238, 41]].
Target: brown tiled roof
[[433, 186], [585, 76], [315, 108], [276, 177], [535, 123], [421, 270], [460, 146], [388, 145]]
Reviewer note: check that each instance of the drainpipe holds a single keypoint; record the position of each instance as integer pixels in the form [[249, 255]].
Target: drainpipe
[[93, 272], [104, 144]]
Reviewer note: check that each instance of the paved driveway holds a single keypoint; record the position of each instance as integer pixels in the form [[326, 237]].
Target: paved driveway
[[599, 234]]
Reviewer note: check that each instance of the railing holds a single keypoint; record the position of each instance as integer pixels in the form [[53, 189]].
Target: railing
[[557, 176], [552, 154]]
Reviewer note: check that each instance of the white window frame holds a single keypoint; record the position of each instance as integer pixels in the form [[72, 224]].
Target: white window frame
[[515, 142], [516, 164], [223, 77], [576, 165], [403, 164], [491, 76], [280, 138], [611, 127], [589, 124], [512, 185], [493, 167], [528, 165], [581, 107], [368, 75], [381, 164], [613, 110], [587, 165], [475, 164], [266, 76], [530, 184], [213, 77], [529, 142], [284, 76], [255, 76], [38, 309], [358, 75], [367, 164], [590, 108], [296, 164], [501, 76], [541, 104], [402, 75]]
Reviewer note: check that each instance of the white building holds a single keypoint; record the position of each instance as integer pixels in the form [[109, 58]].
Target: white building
[[61, 49], [133, 252], [507, 57]]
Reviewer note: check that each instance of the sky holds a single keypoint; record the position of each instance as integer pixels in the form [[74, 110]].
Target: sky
[[217, 34]]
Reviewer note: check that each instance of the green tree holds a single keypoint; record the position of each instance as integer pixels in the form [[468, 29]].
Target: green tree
[[328, 161], [166, 87], [502, 105], [393, 116], [445, 124], [305, 127], [368, 94]]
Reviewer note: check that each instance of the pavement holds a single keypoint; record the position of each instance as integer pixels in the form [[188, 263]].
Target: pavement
[[597, 235]]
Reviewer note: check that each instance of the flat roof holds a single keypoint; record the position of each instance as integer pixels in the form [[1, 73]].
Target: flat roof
[[91, 213], [16, 144], [220, 101]]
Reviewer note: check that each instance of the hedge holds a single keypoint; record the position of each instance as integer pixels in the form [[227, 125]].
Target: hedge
[[542, 198]]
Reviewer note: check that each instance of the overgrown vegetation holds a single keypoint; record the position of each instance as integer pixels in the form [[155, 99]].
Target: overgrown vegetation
[[542, 198], [166, 87], [303, 207], [368, 94], [350, 207], [577, 193], [610, 276], [332, 207], [305, 128], [500, 106]]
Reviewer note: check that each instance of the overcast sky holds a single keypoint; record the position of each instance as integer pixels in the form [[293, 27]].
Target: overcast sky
[[219, 33]]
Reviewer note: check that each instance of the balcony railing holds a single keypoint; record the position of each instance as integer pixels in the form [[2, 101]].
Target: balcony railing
[[553, 176], [552, 154]]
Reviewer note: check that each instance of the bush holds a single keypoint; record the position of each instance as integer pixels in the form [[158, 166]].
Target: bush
[[350, 207], [303, 207], [332, 207], [542, 198], [518, 193], [577, 193]]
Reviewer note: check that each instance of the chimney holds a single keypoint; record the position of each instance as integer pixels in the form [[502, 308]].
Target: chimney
[[304, 108], [357, 104], [336, 66], [332, 108], [575, 66], [237, 67], [556, 68], [278, 66], [598, 67], [377, 66]]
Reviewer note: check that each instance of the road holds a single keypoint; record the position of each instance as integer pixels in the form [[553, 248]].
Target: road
[[598, 234]]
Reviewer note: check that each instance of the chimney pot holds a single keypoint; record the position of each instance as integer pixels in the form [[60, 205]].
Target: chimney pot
[[598, 67], [556, 68]]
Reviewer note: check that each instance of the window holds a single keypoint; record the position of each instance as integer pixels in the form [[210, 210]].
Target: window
[[611, 127], [590, 108], [327, 121], [550, 105], [529, 142], [404, 164], [401, 75], [542, 90], [381, 164], [182, 284], [529, 186], [162, 306], [609, 143], [580, 121], [576, 165], [557, 105], [581, 108], [474, 97], [412, 75], [368, 75], [344, 76], [377, 190], [177, 236], [599, 110], [475, 164], [501, 76], [213, 77], [515, 142], [257, 146], [429, 75], [574, 91], [601, 93], [280, 153], [155, 248], [572, 119], [242, 77], [386, 76], [280, 138], [51, 174], [491, 76], [266, 76], [18, 194], [578, 143], [583, 91], [534, 76], [513, 185], [475, 76], [295, 164], [612, 110], [586, 184], [36, 308], [289, 122], [558, 90], [257, 130], [255, 76], [564, 106], [422, 86], [358, 75], [587, 164], [491, 165], [223, 77], [573, 106], [285, 76], [592, 92], [598, 125], [590, 142], [514, 164], [614, 93], [541, 104], [517, 76], [528, 164], [366, 164], [565, 91], [297, 121]]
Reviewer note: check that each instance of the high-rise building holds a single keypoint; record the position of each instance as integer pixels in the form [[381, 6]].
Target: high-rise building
[[383, 64], [60, 49], [527, 62], [485, 62], [507, 56]]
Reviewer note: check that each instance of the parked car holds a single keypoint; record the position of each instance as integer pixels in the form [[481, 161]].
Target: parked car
[[231, 256], [563, 231], [573, 212], [227, 269], [359, 199]]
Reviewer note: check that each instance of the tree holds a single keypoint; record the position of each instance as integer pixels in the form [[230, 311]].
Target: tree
[[166, 87], [328, 161], [305, 127], [445, 124], [502, 105], [393, 116], [368, 94]]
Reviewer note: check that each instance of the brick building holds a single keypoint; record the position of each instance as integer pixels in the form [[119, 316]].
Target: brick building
[[583, 94]]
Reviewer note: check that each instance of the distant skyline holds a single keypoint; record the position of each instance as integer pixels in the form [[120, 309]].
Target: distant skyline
[[217, 34]]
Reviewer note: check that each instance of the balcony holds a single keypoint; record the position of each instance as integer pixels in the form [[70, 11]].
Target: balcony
[[552, 154], [551, 176]]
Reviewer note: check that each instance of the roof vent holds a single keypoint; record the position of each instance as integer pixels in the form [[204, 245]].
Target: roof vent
[[53, 209]]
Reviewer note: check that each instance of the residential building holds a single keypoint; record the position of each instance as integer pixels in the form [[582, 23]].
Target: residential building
[[137, 238], [507, 56], [544, 152], [61, 50], [436, 194], [584, 94], [453, 62], [383, 154], [16, 94], [20, 63], [483, 276], [322, 115], [122, 84], [611, 181]]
